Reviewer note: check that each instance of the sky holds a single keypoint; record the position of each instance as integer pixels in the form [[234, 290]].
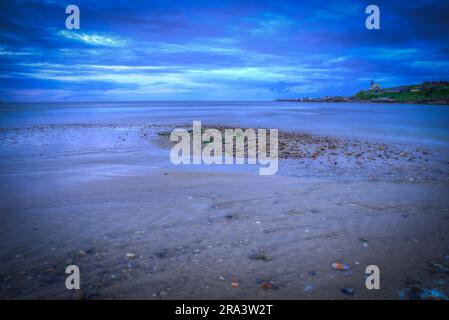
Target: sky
[[216, 50]]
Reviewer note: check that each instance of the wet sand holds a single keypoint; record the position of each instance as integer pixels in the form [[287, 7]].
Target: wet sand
[[105, 197]]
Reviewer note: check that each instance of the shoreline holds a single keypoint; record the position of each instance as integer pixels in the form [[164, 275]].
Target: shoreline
[[105, 197], [425, 102], [301, 154], [326, 156]]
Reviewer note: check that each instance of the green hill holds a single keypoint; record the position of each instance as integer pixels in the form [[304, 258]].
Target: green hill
[[410, 93]]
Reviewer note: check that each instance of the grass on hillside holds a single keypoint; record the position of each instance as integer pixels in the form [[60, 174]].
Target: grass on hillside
[[426, 94]]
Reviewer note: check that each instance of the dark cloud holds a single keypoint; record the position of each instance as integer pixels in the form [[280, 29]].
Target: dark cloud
[[207, 49]]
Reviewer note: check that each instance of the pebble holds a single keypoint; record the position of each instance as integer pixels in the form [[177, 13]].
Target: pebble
[[259, 255], [308, 287], [266, 285], [348, 291], [79, 294], [163, 293], [339, 266]]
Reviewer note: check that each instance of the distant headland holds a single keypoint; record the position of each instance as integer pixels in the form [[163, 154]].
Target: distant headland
[[429, 92]]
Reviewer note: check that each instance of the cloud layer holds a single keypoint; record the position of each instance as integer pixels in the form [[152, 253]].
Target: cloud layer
[[211, 50]]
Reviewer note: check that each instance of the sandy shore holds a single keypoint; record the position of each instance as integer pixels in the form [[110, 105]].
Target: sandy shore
[[92, 194]]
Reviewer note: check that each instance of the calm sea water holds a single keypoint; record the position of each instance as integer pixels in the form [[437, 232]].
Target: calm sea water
[[390, 122]]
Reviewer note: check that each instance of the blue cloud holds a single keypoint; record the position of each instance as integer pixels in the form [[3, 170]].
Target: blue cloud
[[230, 50], [93, 39]]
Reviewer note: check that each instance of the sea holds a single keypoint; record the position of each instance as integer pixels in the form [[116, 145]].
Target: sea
[[405, 123]]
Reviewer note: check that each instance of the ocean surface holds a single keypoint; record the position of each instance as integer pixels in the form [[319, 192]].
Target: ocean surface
[[422, 124]]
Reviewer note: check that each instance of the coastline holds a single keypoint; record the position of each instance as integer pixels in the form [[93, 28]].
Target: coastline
[[339, 100], [429, 92]]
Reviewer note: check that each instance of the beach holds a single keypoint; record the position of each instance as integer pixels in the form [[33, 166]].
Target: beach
[[101, 193]]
